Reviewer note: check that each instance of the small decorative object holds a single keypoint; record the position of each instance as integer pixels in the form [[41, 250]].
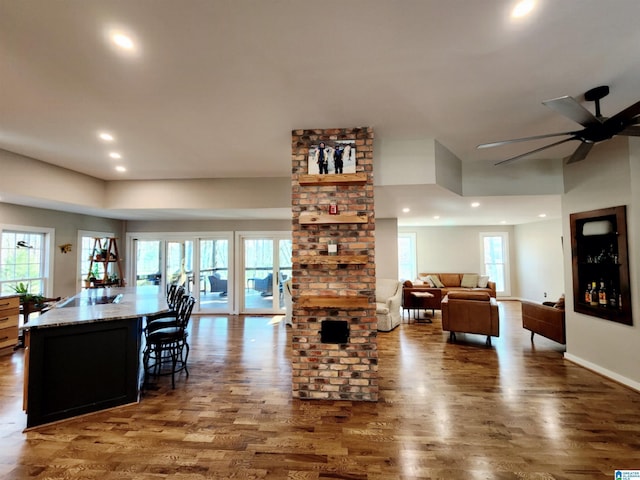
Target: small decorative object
[[333, 209], [66, 248], [332, 247]]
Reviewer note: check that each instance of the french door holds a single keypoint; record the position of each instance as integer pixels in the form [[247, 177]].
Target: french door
[[265, 264], [201, 265]]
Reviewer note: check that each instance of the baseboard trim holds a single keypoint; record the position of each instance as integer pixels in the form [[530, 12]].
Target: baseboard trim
[[627, 382]]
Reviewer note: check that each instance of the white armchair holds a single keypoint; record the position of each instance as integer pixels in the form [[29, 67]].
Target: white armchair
[[288, 302], [388, 303]]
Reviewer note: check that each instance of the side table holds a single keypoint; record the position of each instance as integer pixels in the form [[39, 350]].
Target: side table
[[423, 298]]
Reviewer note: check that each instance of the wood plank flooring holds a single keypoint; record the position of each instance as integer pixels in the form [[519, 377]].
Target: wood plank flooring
[[447, 411]]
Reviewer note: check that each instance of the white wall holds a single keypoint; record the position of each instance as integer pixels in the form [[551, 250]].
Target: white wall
[[538, 260], [456, 249], [387, 248], [605, 179]]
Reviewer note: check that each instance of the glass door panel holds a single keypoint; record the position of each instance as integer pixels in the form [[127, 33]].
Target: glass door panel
[[258, 274], [284, 267], [179, 264], [215, 280], [148, 263]]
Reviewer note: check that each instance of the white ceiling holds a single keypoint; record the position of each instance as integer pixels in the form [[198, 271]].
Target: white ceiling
[[215, 87]]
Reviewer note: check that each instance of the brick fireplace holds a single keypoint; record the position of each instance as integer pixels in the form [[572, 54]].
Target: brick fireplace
[[335, 354]]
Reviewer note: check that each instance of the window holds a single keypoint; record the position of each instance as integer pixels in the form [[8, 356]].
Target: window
[[25, 257], [495, 254], [86, 240], [407, 264]]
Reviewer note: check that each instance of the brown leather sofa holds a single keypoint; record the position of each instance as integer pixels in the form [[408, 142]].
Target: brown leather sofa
[[470, 312], [544, 319], [452, 283]]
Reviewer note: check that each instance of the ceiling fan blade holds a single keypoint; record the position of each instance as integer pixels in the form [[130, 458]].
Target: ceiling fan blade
[[580, 153], [625, 117], [524, 139], [633, 131], [522, 155], [569, 107]]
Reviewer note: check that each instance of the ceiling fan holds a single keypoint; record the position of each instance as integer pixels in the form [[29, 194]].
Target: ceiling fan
[[596, 128]]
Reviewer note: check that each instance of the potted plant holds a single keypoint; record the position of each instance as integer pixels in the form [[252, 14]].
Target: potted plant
[[26, 297]]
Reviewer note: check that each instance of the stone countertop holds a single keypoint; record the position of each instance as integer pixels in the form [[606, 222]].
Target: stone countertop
[[132, 303]]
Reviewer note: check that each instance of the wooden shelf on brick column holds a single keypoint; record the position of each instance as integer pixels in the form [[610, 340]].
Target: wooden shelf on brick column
[[332, 301], [359, 178], [333, 259], [312, 218]]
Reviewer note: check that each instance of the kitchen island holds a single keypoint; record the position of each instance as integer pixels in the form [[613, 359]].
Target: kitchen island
[[84, 355]]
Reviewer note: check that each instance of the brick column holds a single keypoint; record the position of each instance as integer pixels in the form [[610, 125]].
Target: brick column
[[334, 369]]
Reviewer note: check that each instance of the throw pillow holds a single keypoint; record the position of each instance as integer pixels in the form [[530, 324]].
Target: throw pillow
[[430, 281], [469, 280], [418, 282], [436, 281], [560, 303], [483, 281]]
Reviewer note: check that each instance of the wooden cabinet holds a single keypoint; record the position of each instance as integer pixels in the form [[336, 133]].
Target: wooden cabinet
[[105, 253], [9, 312], [600, 260]]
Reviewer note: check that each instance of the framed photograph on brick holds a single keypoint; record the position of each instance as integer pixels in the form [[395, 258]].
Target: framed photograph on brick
[[338, 156]]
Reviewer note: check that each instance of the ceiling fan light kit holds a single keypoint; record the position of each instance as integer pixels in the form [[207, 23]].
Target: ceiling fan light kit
[[596, 127]]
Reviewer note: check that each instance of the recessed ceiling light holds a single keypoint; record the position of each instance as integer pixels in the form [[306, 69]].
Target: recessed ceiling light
[[542, 215], [436, 217], [406, 210], [523, 8], [503, 222], [115, 155], [120, 168], [475, 204], [107, 137], [123, 41]]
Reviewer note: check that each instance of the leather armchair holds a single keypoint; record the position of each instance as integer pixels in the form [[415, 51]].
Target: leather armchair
[[470, 312], [544, 320]]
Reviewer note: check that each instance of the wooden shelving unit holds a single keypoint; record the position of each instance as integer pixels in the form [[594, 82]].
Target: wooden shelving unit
[[311, 218], [359, 178], [333, 301], [333, 259], [600, 256], [105, 252]]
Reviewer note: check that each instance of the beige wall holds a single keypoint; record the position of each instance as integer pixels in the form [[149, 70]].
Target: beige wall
[[387, 248], [608, 177], [538, 260], [66, 226], [457, 249]]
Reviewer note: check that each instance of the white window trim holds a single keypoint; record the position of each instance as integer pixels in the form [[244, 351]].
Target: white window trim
[[507, 260], [413, 236], [49, 246]]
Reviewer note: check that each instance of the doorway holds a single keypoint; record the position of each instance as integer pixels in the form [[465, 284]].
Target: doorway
[[265, 265]]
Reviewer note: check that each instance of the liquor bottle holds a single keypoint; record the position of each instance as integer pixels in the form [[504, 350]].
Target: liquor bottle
[[587, 294], [602, 295], [594, 295], [613, 298]]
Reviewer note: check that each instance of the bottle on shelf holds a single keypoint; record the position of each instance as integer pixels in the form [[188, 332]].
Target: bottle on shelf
[[594, 295], [602, 295], [587, 294], [613, 298]]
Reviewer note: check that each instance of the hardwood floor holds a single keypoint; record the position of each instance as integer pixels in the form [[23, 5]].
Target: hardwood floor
[[447, 411]]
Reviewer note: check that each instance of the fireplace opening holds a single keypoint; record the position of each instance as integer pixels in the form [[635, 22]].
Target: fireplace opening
[[334, 331]]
